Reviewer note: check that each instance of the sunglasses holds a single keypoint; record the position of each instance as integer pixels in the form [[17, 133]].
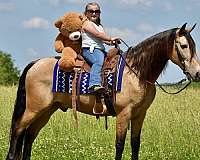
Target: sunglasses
[[94, 11]]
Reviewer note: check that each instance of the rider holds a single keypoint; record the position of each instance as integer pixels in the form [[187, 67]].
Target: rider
[[93, 39]]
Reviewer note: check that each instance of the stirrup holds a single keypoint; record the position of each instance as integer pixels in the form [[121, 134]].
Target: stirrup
[[100, 113], [97, 90], [99, 107]]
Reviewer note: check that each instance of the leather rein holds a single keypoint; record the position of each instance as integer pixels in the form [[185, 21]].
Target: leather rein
[[181, 59]]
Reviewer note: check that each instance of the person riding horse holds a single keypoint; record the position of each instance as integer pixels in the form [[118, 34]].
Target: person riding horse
[[93, 38]]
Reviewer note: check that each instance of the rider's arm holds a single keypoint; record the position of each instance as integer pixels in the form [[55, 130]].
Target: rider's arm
[[108, 43], [89, 27]]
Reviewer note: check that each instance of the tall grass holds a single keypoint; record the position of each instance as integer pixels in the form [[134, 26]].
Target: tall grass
[[171, 130]]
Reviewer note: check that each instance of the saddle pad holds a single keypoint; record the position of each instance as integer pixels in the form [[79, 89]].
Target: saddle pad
[[62, 81]]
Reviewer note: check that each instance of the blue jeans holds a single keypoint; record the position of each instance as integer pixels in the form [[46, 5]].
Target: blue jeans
[[95, 60]]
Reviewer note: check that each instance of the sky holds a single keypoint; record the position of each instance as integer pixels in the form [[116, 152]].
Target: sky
[[27, 29]]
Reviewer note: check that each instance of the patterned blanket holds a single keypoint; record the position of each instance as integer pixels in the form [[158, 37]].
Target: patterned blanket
[[62, 81]]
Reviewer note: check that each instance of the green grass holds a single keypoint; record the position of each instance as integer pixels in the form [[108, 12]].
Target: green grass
[[171, 131]]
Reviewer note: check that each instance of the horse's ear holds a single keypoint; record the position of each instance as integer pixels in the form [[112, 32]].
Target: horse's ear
[[182, 29], [190, 29]]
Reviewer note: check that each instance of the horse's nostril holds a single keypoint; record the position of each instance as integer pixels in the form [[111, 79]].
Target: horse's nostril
[[197, 75]]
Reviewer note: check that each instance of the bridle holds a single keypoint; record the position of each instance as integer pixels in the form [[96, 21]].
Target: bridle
[[181, 58]]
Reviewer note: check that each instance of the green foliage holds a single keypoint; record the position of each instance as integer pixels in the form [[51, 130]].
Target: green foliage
[[9, 74]]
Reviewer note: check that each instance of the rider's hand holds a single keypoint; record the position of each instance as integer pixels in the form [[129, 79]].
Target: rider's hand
[[115, 40]]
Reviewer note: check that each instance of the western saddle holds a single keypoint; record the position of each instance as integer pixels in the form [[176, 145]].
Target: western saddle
[[104, 104]]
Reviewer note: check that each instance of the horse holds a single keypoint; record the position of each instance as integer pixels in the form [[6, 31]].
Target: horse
[[35, 101]]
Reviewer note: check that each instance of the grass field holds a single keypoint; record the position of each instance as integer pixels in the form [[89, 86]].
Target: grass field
[[171, 131]]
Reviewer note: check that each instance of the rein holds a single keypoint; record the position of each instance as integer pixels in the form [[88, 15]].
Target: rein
[[121, 54], [174, 84]]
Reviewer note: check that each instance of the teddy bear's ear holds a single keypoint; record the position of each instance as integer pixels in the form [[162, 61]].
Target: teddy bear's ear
[[58, 23], [83, 18]]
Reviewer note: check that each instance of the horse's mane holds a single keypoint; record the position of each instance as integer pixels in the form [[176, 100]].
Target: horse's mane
[[151, 55]]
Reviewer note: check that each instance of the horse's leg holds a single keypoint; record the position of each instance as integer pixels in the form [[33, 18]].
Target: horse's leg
[[17, 135], [33, 130], [136, 125], [121, 129], [19, 145], [16, 144]]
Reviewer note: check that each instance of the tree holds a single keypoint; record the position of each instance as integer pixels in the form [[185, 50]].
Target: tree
[[9, 74]]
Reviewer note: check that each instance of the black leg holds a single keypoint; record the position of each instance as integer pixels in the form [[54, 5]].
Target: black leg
[[135, 144], [28, 142], [119, 147], [136, 126], [18, 153], [16, 143], [121, 130]]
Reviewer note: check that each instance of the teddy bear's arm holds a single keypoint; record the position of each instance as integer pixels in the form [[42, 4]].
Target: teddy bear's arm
[[59, 46]]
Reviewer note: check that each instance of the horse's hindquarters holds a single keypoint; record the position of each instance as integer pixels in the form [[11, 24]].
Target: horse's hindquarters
[[39, 85]]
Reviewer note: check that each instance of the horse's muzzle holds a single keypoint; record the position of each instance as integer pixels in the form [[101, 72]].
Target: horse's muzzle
[[197, 77], [193, 77]]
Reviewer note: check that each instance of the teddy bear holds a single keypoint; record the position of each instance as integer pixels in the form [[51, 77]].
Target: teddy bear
[[68, 41]]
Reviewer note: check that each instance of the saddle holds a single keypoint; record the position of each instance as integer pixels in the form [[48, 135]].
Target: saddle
[[104, 103]]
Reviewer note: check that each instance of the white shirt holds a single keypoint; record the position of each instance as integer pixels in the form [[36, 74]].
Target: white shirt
[[89, 41]]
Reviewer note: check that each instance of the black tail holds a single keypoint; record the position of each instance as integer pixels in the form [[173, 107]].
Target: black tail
[[20, 102], [16, 142]]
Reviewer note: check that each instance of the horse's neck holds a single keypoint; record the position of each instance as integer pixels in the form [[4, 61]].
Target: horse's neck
[[149, 65], [156, 68]]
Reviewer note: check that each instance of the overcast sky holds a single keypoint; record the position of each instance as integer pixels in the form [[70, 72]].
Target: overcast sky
[[27, 31]]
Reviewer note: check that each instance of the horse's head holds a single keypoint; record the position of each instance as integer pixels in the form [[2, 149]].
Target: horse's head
[[184, 53]]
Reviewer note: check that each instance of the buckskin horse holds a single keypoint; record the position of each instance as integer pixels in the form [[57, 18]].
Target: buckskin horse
[[35, 101]]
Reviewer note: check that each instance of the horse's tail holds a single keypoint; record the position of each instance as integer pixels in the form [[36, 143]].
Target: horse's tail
[[19, 109], [20, 102]]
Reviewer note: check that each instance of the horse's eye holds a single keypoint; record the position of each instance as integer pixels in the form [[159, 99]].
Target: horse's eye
[[183, 46]]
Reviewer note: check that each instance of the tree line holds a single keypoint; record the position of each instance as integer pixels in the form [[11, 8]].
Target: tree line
[[9, 74]]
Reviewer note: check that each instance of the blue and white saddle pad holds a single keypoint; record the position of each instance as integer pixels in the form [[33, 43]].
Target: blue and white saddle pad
[[62, 81]]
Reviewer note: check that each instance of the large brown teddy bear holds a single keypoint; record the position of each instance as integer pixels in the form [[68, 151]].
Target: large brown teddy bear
[[68, 41]]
